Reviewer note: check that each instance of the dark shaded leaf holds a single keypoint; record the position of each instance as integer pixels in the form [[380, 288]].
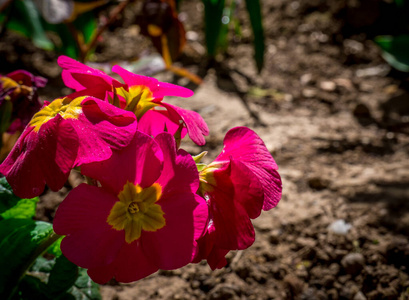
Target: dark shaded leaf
[[395, 50], [87, 25], [84, 288], [62, 276], [223, 41], [213, 24], [21, 242], [12, 206], [7, 197], [254, 9], [30, 288], [43, 265]]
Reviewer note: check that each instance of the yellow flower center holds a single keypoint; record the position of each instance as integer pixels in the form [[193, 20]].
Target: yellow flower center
[[206, 177], [67, 108], [138, 99], [133, 208], [8, 83], [137, 210]]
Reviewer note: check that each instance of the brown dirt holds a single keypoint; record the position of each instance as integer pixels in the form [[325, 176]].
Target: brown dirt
[[335, 117]]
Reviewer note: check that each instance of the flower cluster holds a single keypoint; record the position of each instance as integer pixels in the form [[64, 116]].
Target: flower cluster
[[150, 205]]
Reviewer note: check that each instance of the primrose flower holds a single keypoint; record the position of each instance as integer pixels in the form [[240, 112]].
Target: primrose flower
[[140, 94], [19, 99], [145, 216], [242, 181], [144, 95], [62, 135]]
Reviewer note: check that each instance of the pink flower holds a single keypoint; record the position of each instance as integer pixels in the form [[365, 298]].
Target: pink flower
[[140, 94], [18, 90], [62, 135], [240, 182], [144, 96], [144, 217]]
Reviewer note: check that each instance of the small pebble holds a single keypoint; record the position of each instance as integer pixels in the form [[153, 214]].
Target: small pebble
[[328, 86], [353, 263]]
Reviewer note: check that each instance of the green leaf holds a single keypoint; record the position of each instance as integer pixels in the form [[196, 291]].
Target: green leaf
[[84, 288], [66, 44], [57, 279], [43, 265], [213, 24], [32, 287], [227, 15], [62, 277], [254, 9], [24, 209], [12, 206], [395, 50], [55, 248], [7, 197], [21, 242]]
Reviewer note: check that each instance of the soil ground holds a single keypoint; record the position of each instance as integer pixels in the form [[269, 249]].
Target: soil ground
[[335, 117]]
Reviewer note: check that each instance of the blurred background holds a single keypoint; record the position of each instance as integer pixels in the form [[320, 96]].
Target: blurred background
[[325, 85]]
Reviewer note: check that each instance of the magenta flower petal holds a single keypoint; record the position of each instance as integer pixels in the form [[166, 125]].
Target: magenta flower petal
[[102, 127], [196, 126], [79, 76], [245, 145], [247, 188], [131, 264], [232, 226], [155, 121], [174, 246], [217, 258], [159, 89], [143, 165], [169, 89], [40, 158], [23, 164], [28, 79], [214, 255], [179, 169], [82, 217], [56, 140], [102, 274]]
